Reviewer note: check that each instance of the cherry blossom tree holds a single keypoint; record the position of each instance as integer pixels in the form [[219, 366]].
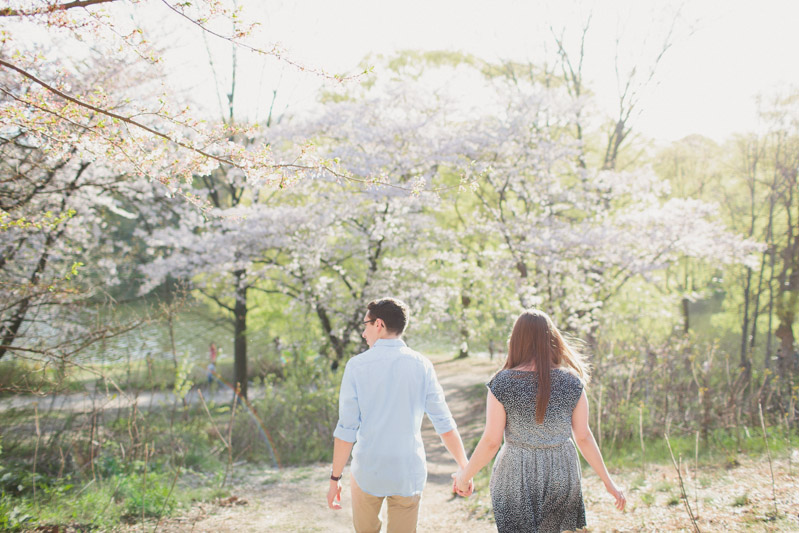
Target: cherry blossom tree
[[571, 237], [58, 214], [82, 85], [325, 247], [152, 135]]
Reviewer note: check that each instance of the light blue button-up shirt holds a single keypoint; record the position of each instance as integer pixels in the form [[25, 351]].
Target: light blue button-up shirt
[[384, 393]]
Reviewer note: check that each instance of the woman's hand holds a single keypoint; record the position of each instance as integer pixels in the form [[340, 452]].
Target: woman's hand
[[460, 485], [617, 493]]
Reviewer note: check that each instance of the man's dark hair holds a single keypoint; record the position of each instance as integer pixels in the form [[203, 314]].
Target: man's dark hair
[[391, 311]]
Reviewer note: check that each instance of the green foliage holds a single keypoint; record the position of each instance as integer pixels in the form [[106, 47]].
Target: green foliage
[[149, 497], [48, 220], [14, 514], [183, 383], [18, 376], [299, 413], [73, 270], [414, 62], [479, 503], [723, 447]]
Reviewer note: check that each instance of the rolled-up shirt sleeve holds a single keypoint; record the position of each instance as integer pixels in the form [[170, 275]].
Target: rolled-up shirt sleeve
[[436, 406], [349, 413]]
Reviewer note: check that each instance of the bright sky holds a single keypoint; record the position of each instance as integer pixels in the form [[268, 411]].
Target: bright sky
[[725, 52]]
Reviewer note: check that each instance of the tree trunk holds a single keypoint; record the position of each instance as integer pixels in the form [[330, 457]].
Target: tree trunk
[[464, 330], [9, 333], [686, 315], [746, 364], [337, 343], [240, 335], [787, 306], [785, 353]]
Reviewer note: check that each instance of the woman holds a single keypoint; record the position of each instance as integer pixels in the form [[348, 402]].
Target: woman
[[538, 401]]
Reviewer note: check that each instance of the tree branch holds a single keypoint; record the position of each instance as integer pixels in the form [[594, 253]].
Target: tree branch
[[8, 12], [110, 114]]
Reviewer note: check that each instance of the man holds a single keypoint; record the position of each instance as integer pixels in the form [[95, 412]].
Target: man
[[384, 393]]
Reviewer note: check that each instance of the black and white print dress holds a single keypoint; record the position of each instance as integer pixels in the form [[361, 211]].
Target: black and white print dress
[[535, 484]]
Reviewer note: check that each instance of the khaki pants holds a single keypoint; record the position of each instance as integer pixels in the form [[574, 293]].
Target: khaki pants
[[403, 511]]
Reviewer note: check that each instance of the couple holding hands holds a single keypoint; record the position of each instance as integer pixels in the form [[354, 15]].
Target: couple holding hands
[[537, 401]]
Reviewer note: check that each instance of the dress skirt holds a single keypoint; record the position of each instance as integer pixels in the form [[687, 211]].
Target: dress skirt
[[537, 489]]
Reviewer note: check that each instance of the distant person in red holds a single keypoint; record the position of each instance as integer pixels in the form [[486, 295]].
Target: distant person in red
[[212, 364]]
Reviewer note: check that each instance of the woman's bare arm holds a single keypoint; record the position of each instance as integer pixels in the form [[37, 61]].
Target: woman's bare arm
[[489, 443], [585, 441]]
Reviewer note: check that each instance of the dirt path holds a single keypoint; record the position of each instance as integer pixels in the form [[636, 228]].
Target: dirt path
[[98, 400], [293, 499]]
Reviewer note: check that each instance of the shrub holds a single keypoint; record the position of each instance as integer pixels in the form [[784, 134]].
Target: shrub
[[13, 514], [298, 413], [153, 500]]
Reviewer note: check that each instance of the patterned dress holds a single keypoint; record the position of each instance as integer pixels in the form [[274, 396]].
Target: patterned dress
[[535, 484]]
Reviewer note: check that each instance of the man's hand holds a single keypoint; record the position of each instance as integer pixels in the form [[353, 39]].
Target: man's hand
[[334, 495]]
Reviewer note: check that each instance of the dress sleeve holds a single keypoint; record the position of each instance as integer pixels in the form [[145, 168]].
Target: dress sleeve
[[497, 385], [349, 412], [575, 388]]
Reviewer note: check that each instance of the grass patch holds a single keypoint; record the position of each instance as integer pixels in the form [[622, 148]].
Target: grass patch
[[479, 503], [664, 486], [23, 377], [723, 448], [741, 501]]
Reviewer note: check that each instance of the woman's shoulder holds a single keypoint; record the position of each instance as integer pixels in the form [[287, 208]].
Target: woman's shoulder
[[567, 377], [503, 377]]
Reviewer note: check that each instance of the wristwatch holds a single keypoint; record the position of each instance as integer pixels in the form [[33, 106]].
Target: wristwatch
[[334, 478]]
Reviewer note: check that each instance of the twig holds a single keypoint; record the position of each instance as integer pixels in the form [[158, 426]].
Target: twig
[[169, 494], [36, 449], [641, 435], [599, 416], [790, 448], [63, 462], [682, 485], [91, 441], [230, 433], [144, 480], [696, 474], [213, 424], [768, 453]]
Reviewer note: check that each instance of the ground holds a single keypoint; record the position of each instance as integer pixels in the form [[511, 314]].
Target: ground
[[294, 499]]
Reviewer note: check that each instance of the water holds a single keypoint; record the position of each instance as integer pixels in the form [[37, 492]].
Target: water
[[194, 328]]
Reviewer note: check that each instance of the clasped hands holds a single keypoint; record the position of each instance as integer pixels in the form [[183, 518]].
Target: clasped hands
[[462, 486]]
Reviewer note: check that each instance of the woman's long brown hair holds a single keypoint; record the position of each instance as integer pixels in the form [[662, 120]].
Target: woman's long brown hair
[[535, 341]]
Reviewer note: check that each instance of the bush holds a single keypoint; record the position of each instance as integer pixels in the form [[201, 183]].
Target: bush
[[13, 514], [152, 500], [298, 413]]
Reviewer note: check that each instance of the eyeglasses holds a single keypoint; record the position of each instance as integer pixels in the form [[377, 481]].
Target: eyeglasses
[[369, 321]]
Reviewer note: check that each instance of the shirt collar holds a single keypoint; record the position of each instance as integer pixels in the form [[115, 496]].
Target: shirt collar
[[390, 343]]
